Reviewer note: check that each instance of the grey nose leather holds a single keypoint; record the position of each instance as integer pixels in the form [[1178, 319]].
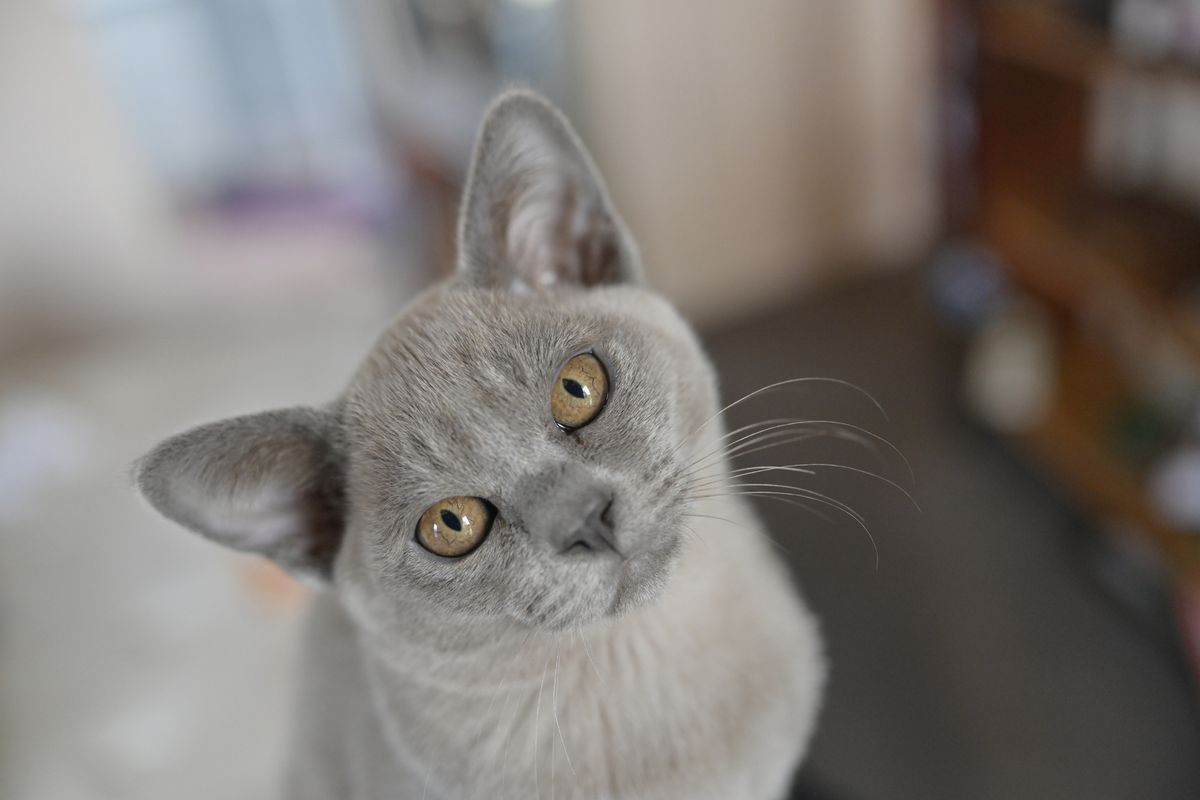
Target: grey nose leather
[[594, 531], [569, 510]]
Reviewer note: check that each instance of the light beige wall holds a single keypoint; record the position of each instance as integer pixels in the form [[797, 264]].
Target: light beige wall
[[752, 145], [81, 220]]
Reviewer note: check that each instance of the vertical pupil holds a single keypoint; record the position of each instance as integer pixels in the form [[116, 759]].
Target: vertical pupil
[[452, 521], [575, 388]]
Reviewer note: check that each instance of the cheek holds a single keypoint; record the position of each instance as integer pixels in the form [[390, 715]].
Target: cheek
[[698, 402], [494, 575], [689, 414], [681, 382]]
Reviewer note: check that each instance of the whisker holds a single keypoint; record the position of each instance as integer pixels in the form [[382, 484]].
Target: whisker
[[744, 428], [834, 428], [768, 536], [588, 652], [708, 475], [787, 489], [508, 740], [810, 469], [557, 724], [767, 426], [786, 433], [537, 723], [690, 532], [792, 502], [713, 481], [721, 444], [790, 382], [713, 516], [815, 497]]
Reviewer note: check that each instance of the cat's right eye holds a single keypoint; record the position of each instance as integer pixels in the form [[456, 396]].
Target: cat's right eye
[[455, 526]]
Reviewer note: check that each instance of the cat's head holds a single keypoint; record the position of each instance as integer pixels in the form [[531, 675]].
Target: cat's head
[[513, 445]]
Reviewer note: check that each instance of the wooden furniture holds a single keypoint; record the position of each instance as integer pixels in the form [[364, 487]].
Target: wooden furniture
[[1116, 269]]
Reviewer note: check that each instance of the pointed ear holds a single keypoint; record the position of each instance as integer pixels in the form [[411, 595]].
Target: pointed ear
[[266, 483], [535, 212]]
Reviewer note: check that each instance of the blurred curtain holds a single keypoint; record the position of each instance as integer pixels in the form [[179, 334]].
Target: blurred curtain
[[228, 95]]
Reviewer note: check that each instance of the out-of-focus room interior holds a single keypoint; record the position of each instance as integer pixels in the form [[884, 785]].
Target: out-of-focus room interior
[[983, 213]]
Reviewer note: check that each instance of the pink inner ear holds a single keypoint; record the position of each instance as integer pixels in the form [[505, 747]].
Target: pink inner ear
[[262, 520], [532, 237], [269, 527], [559, 234], [554, 228]]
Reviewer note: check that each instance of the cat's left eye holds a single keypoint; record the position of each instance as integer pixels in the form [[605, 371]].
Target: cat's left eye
[[579, 392], [455, 526]]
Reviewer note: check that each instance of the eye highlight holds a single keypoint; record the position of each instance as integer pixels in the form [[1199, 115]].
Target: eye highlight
[[579, 392], [455, 526]]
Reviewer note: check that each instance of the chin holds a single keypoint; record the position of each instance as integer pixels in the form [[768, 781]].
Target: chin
[[604, 590], [563, 616], [644, 577]]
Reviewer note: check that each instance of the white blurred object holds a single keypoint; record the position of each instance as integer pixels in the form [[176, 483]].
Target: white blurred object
[[1146, 28], [43, 441], [1010, 371], [1157, 30], [1175, 486]]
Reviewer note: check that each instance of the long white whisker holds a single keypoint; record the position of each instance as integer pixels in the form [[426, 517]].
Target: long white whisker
[[588, 652], [784, 488], [691, 533], [554, 708], [757, 435], [557, 724], [809, 495], [778, 435], [771, 539], [713, 481], [789, 382], [748, 443], [721, 443], [712, 516], [810, 469], [537, 722]]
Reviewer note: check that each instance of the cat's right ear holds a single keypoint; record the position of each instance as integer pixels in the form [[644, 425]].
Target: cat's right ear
[[535, 213], [266, 483]]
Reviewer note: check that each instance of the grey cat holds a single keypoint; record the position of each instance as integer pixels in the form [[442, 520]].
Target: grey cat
[[531, 585]]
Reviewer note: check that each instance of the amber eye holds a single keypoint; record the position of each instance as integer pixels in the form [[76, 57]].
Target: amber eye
[[455, 526], [579, 392]]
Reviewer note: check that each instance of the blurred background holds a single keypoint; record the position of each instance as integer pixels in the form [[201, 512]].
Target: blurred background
[[985, 214]]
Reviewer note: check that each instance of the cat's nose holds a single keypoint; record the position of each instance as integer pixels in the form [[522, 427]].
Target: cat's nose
[[593, 531]]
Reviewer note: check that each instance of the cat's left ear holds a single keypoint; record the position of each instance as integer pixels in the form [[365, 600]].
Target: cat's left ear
[[268, 483], [535, 212]]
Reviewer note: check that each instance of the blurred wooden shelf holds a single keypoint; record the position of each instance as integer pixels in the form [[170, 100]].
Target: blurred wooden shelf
[[1073, 450], [1075, 276], [1115, 271], [1026, 154], [1037, 36], [1087, 275]]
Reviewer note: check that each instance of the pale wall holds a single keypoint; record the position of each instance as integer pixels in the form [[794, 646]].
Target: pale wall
[[753, 145]]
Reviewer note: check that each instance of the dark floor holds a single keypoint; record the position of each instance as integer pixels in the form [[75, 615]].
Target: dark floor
[[980, 660]]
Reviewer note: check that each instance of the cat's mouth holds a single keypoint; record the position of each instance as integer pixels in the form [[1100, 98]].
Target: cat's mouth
[[630, 573]]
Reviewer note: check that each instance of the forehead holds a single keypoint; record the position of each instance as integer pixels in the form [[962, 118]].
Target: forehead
[[456, 344], [468, 372]]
